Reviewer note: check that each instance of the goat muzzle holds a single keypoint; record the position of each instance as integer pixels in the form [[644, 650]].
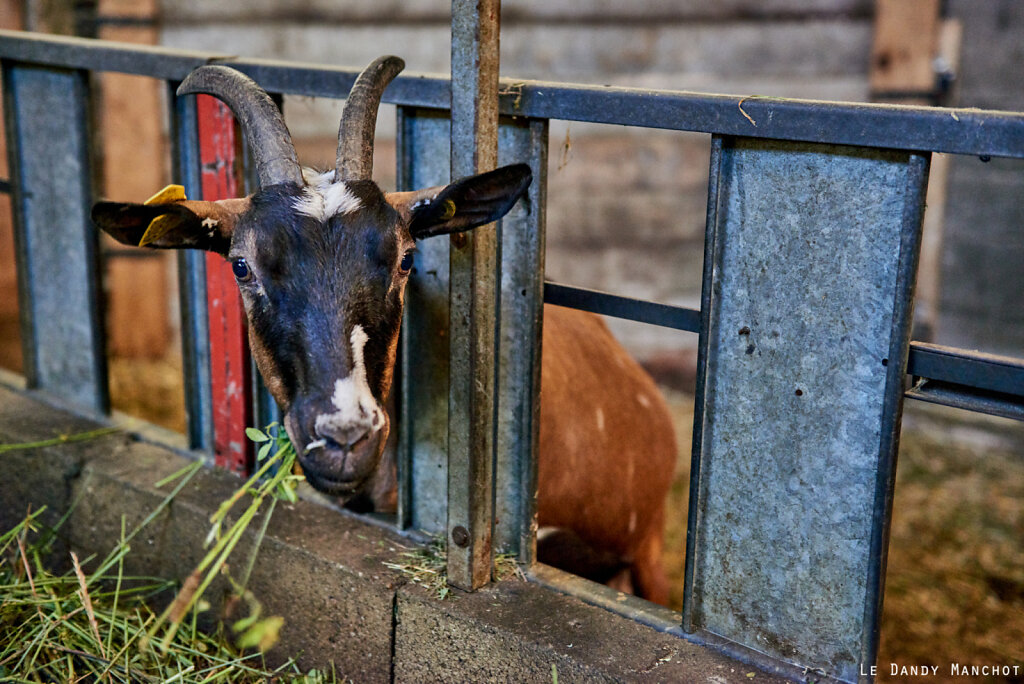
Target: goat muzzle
[[339, 461]]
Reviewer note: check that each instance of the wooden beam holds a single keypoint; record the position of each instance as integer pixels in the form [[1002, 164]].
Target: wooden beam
[[911, 41], [905, 45]]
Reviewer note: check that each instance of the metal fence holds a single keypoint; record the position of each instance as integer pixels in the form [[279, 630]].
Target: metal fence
[[813, 230]]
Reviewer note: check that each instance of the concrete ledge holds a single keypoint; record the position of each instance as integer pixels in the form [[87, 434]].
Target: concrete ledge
[[323, 572], [516, 631]]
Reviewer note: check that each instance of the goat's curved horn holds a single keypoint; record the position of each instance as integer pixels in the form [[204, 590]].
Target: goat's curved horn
[[269, 140], [359, 119]]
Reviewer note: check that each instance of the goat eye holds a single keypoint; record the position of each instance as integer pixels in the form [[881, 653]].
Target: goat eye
[[241, 269], [406, 264]]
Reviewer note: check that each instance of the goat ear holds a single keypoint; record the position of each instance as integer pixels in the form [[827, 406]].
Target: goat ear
[[172, 225], [463, 205]]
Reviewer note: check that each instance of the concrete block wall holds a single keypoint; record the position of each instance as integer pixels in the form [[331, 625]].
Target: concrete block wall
[[626, 206]]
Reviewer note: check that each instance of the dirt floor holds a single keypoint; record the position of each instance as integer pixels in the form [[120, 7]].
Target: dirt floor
[[955, 585], [955, 580], [149, 389]]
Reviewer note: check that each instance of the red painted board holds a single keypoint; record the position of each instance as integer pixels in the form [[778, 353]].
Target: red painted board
[[230, 372]]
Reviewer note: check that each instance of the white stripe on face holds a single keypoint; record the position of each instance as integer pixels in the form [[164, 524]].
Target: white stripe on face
[[357, 410], [323, 197]]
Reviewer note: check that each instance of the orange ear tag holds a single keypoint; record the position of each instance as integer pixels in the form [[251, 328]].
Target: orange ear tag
[[162, 224]]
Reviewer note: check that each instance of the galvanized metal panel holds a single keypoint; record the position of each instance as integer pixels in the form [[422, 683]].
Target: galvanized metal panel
[[423, 161], [423, 381], [521, 234], [811, 251], [47, 117]]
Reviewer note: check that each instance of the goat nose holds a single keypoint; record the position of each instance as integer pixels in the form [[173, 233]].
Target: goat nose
[[345, 438]]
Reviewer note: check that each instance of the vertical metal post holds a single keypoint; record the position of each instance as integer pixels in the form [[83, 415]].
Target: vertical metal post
[[230, 365], [195, 329], [909, 256], [47, 118], [474, 278]]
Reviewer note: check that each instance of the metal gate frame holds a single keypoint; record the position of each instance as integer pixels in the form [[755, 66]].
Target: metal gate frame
[[46, 91]]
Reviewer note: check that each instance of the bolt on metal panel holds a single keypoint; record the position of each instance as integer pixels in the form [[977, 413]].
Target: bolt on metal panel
[[810, 257], [423, 161], [47, 116]]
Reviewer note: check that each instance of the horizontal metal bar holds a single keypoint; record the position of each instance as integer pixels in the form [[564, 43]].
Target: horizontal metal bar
[[520, 14], [171, 64], [967, 377], [651, 614], [665, 315], [968, 398], [966, 368], [956, 131]]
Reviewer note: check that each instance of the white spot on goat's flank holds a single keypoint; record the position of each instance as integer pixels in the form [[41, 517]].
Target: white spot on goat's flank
[[632, 522], [600, 420], [324, 197], [355, 404], [644, 401]]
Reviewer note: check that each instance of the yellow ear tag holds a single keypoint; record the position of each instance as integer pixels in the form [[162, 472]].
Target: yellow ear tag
[[449, 210], [159, 226], [172, 193]]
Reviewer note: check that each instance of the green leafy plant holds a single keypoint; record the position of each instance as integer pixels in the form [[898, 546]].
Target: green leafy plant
[[272, 481], [97, 626], [74, 626]]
